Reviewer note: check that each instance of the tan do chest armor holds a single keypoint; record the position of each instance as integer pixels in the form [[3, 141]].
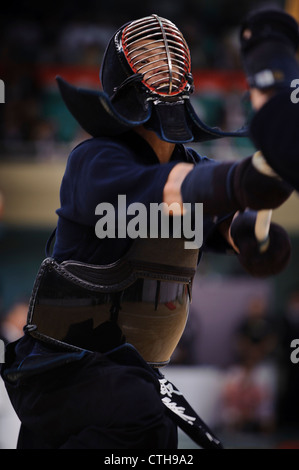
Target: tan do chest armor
[[142, 299]]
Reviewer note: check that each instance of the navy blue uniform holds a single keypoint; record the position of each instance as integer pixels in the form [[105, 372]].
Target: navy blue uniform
[[98, 170], [87, 400]]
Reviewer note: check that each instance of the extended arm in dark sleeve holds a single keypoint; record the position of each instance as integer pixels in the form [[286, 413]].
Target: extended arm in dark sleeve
[[228, 187]]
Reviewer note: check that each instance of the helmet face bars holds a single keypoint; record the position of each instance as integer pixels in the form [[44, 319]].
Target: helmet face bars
[[155, 48], [146, 80]]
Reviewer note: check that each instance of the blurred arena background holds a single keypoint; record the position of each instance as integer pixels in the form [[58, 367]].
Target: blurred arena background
[[233, 361]]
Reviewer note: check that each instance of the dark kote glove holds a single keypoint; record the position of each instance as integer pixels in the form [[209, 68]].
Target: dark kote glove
[[256, 185], [228, 187], [269, 39], [260, 259]]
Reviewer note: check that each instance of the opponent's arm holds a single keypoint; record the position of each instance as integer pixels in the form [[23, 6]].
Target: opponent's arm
[[269, 41]]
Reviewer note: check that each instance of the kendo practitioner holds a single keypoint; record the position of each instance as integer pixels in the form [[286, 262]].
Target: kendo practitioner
[[106, 314]]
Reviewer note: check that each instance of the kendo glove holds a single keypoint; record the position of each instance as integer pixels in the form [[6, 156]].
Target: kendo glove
[[260, 258], [257, 186], [228, 187], [269, 40]]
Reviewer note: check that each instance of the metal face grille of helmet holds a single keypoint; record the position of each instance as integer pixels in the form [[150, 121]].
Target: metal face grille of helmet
[[155, 48]]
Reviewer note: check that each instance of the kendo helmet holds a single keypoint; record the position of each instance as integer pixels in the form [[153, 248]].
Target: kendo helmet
[[146, 80], [151, 51]]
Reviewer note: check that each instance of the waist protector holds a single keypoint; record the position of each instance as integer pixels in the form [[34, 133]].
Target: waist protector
[[142, 299]]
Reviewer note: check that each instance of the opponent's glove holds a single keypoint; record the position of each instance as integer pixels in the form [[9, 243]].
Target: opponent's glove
[[269, 40], [228, 187], [260, 259]]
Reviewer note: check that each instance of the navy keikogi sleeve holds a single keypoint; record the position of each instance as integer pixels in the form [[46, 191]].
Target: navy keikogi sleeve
[[98, 171]]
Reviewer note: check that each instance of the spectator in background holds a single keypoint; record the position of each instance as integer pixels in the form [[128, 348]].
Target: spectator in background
[[256, 335], [11, 326], [250, 386]]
